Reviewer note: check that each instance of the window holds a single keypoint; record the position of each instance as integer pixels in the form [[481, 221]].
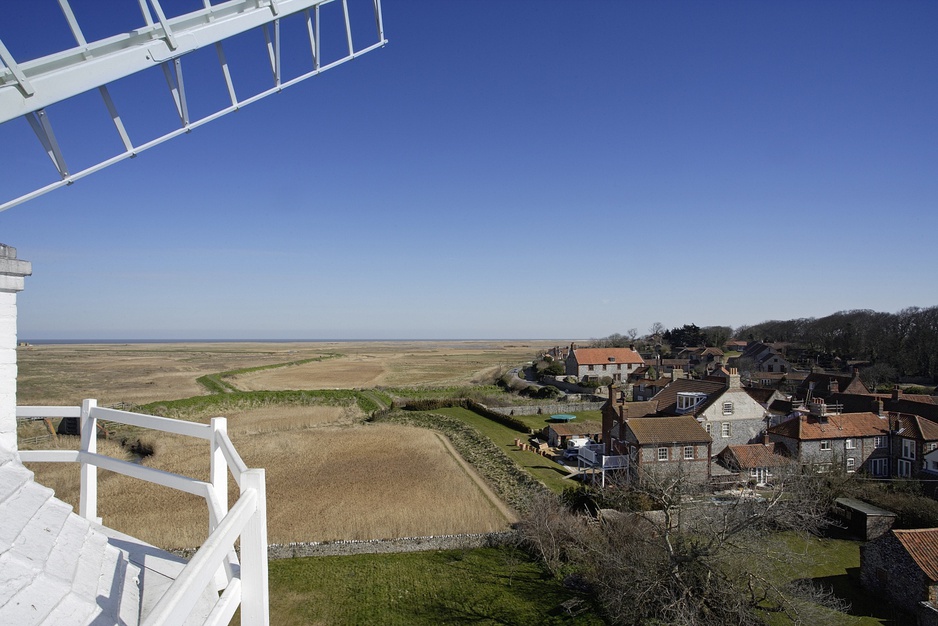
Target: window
[[688, 453], [905, 469], [589, 367], [662, 454], [708, 427], [908, 448], [604, 367], [727, 408], [851, 464], [879, 441], [931, 445], [878, 467], [725, 429], [850, 444], [825, 444]]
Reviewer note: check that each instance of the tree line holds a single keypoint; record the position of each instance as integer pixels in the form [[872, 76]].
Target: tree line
[[906, 341], [905, 344]]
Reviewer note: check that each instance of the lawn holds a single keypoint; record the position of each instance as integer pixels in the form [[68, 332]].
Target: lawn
[[545, 470], [835, 564], [485, 586], [538, 422]]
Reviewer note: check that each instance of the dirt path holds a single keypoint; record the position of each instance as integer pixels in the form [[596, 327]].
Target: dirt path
[[503, 508]]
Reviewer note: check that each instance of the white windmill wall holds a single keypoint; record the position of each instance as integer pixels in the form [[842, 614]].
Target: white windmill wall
[[12, 280]]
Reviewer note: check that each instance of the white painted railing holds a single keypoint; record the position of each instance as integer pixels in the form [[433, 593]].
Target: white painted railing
[[216, 562]]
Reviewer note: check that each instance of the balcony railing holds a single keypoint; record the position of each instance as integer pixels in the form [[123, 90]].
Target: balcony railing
[[244, 581]]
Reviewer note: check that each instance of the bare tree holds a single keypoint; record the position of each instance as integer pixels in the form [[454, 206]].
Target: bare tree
[[694, 559]]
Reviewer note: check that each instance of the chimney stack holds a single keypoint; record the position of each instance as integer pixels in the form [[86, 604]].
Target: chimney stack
[[896, 393]]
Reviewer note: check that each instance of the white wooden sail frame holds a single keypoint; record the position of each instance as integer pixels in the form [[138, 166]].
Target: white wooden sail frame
[[28, 88]]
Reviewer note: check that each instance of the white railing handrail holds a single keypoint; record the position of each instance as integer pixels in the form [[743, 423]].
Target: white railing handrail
[[182, 595], [235, 463], [244, 584]]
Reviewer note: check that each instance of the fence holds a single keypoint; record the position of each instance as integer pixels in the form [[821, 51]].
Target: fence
[[244, 582]]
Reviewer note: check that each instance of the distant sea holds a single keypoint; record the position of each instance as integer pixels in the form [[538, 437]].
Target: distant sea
[[122, 341]]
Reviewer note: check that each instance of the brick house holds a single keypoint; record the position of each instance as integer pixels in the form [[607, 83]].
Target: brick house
[[665, 444], [851, 441], [902, 566], [596, 363]]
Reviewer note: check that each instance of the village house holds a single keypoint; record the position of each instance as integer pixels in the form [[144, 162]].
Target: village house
[[726, 411], [821, 385], [901, 566], [597, 363], [826, 441], [662, 445], [756, 463]]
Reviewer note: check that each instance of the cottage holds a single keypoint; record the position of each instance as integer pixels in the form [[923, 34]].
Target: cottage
[[728, 412], [825, 441], [902, 566], [666, 444], [597, 363], [755, 463]]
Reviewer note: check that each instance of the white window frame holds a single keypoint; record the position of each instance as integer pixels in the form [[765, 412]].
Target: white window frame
[[727, 408], [850, 444], [904, 468], [662, 454], [688, 453], [851, 465], [908, 448], [825, 445], [879, 441], [708, 427], [879, 467], [725, 430]]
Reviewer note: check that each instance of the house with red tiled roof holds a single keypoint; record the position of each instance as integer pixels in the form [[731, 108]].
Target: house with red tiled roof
[[754, 463], [913, 437], [902, 566], [598, 363], [824, 440]]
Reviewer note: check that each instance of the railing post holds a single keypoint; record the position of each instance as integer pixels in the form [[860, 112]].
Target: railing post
[[254, 594], [219, 466], [88, 501]]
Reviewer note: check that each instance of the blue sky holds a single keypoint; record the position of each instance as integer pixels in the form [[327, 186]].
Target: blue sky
[[523, 169]]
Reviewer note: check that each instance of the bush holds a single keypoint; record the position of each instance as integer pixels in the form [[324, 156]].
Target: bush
[[554, 369]]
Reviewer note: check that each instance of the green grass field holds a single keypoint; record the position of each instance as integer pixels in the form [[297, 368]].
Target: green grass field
[[484, 586], [545, 470]]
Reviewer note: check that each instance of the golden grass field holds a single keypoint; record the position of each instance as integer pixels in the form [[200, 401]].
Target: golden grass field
[[329, 475], [141, 373]]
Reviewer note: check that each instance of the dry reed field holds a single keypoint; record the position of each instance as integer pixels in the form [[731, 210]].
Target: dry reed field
[[323, 483], [141, 373], [329, 476]]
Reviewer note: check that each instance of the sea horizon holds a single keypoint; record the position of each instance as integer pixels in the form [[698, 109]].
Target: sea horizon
[[177, 340]]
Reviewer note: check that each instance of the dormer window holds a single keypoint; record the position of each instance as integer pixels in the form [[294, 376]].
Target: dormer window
[[688, 400]]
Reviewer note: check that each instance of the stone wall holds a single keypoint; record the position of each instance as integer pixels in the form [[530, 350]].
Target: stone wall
[[389, 546], [547, 409], [887, 570]]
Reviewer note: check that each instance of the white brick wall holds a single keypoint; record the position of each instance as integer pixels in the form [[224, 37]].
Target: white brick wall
[[8, 370]]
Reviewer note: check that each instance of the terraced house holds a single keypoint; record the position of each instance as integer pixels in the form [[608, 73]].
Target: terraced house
[[826, 440]]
